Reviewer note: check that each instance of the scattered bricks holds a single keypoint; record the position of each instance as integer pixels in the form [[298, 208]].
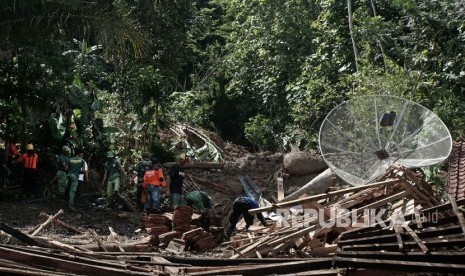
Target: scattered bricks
[[203, 235], [184, 209], [181, 218], [165, 238], [182, 229], [157, 230], [207, 242], [158, 220], [187, 236], [176, 246], [218, 233]]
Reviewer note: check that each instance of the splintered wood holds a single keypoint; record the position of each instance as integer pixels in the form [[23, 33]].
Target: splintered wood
[[396, 224], [311, 226]]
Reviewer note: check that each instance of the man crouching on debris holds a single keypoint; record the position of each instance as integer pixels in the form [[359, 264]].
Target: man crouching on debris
[[241, 206], [203, 204]]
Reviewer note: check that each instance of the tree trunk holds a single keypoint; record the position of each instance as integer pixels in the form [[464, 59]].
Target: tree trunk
[[319, 184], [352, 35], [373, 6]]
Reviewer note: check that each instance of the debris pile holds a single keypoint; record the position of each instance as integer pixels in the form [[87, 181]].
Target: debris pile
[[175, 233]]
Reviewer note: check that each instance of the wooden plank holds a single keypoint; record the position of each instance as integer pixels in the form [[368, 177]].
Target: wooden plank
[[418, 217], [62, 224], [47, 222], [61, 264], [18, 234], [204, 261], [265, 269], [398, 231], [307, 230], [457, 213], [389, 237], [251, 247], [97, 239], [432, 256], [321, 196], [280, 188], [431, 243], [398, 265], [415, 238], [425, 212]]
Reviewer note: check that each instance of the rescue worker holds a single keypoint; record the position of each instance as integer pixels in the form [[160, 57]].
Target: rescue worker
[[62, 170], [241, 206], [11, 163], [202, 203], [199, 200], [75, 166], [153, 181], [137, 178], [176, 175], [29, 163], [83, 175], [112, 174]]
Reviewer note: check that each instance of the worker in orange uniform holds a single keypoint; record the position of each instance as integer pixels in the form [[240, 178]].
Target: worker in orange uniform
[[153, 181], [29, 161]]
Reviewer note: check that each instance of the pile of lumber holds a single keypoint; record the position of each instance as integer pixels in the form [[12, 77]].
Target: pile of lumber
[[299, 234], [416, 233], [431, 242]]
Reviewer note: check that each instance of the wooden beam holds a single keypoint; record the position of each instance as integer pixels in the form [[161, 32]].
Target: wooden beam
[[62, 264], [424, 212], [280, 188], [62, 224], [430, 243], [398, 265], [97, 239], [19, 235], [415, 238], [265, 269], [197, 165], [47, 222], [321, 196], [307, 230], [457, 213], [203, 261]]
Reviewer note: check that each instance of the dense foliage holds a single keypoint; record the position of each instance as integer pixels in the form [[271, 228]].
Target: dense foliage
[[263, 73]]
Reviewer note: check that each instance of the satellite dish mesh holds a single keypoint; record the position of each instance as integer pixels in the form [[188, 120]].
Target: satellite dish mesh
[[361, 138]]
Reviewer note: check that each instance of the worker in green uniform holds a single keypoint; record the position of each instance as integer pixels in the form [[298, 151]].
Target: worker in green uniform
[[137, 178], [62, 169], [199, 200], [112, 174], [202, 203], [75, 165]]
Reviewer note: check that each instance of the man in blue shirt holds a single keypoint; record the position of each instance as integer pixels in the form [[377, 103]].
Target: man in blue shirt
[[241, 206]]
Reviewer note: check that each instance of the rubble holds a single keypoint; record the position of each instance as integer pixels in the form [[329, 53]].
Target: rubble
[[430, 237]]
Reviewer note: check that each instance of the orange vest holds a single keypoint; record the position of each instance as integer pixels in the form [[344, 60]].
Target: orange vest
[[152, 177], [30, 161]]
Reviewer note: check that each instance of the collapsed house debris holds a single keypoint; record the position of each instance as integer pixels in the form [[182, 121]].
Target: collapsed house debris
[[414, 233]]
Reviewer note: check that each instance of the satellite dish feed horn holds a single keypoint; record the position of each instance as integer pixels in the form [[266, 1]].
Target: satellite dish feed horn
[[362, 138]]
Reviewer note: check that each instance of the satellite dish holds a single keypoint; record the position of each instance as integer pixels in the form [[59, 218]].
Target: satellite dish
[[362, 138]]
